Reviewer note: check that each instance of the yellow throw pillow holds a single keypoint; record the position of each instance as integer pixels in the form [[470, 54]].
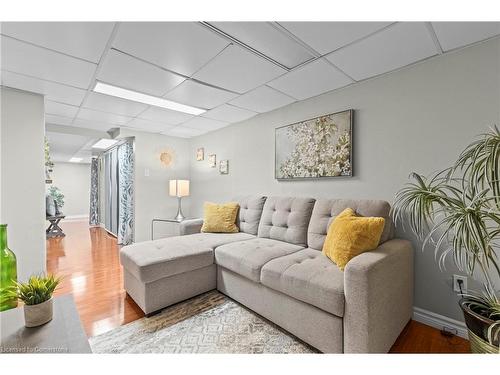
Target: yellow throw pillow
[[350, 235], [220, 218]]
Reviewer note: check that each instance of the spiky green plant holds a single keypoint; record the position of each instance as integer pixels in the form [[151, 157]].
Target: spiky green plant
[[457, 210], [36, 290]]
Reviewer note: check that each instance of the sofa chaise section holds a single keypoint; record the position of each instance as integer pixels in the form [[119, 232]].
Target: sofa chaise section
[[163, 272], [166, 271]]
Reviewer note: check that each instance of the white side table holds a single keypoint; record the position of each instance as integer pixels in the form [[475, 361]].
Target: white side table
[[172, 227]]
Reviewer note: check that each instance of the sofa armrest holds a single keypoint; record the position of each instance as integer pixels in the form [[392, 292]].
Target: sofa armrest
[[190, 226], [378, 287]]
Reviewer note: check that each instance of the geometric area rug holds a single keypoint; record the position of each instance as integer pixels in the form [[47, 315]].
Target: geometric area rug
[[209, 323]]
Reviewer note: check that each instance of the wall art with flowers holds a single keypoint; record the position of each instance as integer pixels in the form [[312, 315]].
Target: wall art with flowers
[[315, 148]]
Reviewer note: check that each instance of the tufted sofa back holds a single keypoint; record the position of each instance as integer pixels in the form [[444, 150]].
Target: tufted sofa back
[[250, 212], [325, 210], [286, 219]]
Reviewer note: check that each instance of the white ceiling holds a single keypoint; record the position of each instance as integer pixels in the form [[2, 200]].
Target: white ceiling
[[65, 146], [234, 70]]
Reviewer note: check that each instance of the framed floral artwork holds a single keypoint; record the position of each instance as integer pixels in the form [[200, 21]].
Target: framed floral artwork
[[200, 154], [212, 160], [316, 148], [224, 167]]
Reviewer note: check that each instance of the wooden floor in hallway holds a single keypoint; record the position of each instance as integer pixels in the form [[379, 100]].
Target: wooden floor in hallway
[[88, 260]]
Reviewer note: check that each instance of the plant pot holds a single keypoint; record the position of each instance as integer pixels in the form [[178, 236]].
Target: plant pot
[[58, 208], [36, 315], [477, 327], [50, 206]]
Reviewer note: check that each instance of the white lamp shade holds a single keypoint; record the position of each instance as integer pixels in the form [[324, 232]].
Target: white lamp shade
[[179, 188]]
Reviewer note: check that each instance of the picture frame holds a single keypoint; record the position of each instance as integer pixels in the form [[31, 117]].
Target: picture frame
[[224, 167], [212, 160], [200, 154], [320, 147]]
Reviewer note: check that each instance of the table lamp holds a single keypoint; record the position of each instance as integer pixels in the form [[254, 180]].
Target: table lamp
[[179, 189]]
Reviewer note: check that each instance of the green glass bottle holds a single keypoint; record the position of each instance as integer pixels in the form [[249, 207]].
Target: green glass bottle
[[8, 271]]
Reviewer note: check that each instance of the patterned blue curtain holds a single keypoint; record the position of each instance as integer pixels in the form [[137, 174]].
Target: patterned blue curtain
[[94, 192], [126, 193]]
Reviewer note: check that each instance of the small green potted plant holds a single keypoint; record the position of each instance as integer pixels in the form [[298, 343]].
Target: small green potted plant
[[457, 210], [36, 294]]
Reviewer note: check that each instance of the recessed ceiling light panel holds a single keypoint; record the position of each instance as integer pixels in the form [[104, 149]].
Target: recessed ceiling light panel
[[104, 143], [135, 96], [75, 160]]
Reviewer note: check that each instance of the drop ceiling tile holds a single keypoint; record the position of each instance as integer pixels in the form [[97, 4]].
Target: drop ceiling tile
[[238, 70], [20, 57], [105, 117], [111, 104], [52, 91], [392, 48], [229, 113], [325, 37], [133, 74], [183, 47], [150, 126], [68, 144], [199, 95], [85, 40], [183, 132], [267, 39], [93, 124], [59, 109], [457, 34], [203, 123], [58, 120], [163, 115], [262, 99], [310, 80]]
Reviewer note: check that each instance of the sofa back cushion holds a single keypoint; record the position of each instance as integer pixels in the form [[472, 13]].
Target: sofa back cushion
[[286, 219], [325, 210], [250, 212]]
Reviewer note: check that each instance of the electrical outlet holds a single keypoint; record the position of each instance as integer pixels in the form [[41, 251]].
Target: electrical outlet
[[456, 286], [146, 172]]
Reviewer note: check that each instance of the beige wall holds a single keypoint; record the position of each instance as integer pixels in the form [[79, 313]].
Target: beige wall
[[22, 186], [151, 192], [73, 179], [416, 119]]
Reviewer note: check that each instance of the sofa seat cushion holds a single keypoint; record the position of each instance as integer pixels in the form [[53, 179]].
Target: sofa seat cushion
[[309, 276], [247, 258], [153, 260]]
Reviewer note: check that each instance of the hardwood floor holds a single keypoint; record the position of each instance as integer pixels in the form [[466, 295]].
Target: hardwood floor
[[87, 259], [420, 338]]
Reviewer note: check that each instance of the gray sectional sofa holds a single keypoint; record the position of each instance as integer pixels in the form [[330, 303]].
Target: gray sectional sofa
[[275, 267]]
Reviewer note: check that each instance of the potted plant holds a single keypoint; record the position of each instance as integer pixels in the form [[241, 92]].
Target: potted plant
[[457, 210], [36, 294], [58, 197]]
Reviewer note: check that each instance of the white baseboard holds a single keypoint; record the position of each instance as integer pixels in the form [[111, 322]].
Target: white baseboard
[[439, 321]]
